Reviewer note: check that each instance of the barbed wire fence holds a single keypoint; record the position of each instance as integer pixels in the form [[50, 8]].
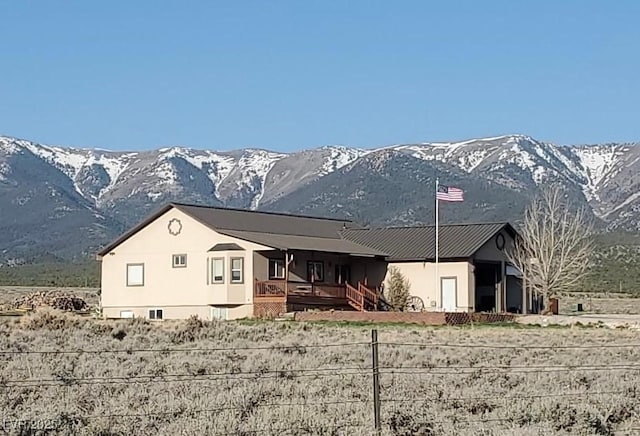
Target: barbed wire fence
[[382, 404]]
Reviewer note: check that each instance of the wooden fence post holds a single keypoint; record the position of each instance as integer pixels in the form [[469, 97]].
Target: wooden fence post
[[376, 380]]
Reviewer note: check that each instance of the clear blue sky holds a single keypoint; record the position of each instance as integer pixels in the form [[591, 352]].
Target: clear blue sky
[[287, 75]]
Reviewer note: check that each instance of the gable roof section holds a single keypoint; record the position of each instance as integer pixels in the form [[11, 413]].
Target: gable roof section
[[276, 230], [266, 222], [306, 243], [418, 243], [132, 231]]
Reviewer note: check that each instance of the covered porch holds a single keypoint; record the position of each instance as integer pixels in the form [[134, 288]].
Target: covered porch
[[298, 280]]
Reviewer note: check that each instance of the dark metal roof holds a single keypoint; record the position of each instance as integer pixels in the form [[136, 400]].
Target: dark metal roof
[[297, 232], [307, 243], [418, 243], [226, 247], [266, 222], [278, 229]]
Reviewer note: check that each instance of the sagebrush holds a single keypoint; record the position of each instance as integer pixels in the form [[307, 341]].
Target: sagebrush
[[287, 378]]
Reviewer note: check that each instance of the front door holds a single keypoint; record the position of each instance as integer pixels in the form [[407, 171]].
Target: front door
[[449, 290], [343, 274]]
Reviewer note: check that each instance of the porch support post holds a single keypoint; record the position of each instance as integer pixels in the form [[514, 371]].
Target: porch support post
[[503, 286], [313, 274], [497, 286], [286, 273], [366, 275]]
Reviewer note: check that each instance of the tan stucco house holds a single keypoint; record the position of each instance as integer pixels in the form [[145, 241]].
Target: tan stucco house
[[220, 263], [227, 263]]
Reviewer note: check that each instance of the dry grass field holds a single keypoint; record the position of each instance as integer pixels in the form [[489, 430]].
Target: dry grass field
[[610, 303], [62, 374]]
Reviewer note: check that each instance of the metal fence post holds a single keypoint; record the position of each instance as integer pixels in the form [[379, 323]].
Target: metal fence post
[[376, 380]]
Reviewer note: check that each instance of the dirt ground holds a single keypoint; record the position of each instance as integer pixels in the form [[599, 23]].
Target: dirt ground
[[606, 320]]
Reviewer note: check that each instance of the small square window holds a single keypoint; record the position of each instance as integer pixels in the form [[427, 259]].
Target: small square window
[[276, 268], [155, 314], [237, 270], [217, 270], [135, 274], [179, 261]]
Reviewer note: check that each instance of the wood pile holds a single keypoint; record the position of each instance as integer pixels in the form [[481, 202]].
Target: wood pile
[[60, 300]]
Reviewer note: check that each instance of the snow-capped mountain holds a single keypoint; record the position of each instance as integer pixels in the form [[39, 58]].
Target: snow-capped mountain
[[105, 191], [606, 175], [236, 178]]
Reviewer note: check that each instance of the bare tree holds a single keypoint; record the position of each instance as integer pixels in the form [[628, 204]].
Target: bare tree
[[554, 248], [399, 288]]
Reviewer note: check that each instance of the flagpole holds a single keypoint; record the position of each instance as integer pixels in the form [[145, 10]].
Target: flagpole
[[437, 287]]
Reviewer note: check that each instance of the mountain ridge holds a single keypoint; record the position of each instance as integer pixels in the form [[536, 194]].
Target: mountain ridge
[[106, 191]]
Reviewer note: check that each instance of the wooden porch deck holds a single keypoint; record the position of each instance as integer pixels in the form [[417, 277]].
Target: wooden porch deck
[[294, 295]]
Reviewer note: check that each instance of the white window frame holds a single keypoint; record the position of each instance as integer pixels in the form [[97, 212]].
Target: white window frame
[[219, 313], [129, 282], [127, 314], [179, 260], [241, 269], [213, 270], [275, 263], [155, 314]]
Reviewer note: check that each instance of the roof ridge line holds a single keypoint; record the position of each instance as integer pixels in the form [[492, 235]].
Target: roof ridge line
[[338, 233], [421, 226], [236, 209]]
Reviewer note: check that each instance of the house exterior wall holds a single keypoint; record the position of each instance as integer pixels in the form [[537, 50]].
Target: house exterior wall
[[490, 251], [298, 269], [471, 283], [182, 312], [179, 292], [421, 277], [371, 272], [261, 263]]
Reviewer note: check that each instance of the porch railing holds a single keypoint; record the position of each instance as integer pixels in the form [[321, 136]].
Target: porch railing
[[360, 297], [355, 298], [270, 289], [370, 297], [281, 288]]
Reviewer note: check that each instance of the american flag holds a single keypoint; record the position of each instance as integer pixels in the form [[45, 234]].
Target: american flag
[[447, 193]]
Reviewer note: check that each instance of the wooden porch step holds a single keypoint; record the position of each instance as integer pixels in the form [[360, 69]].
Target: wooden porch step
[[355, 305], [362, 298]]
